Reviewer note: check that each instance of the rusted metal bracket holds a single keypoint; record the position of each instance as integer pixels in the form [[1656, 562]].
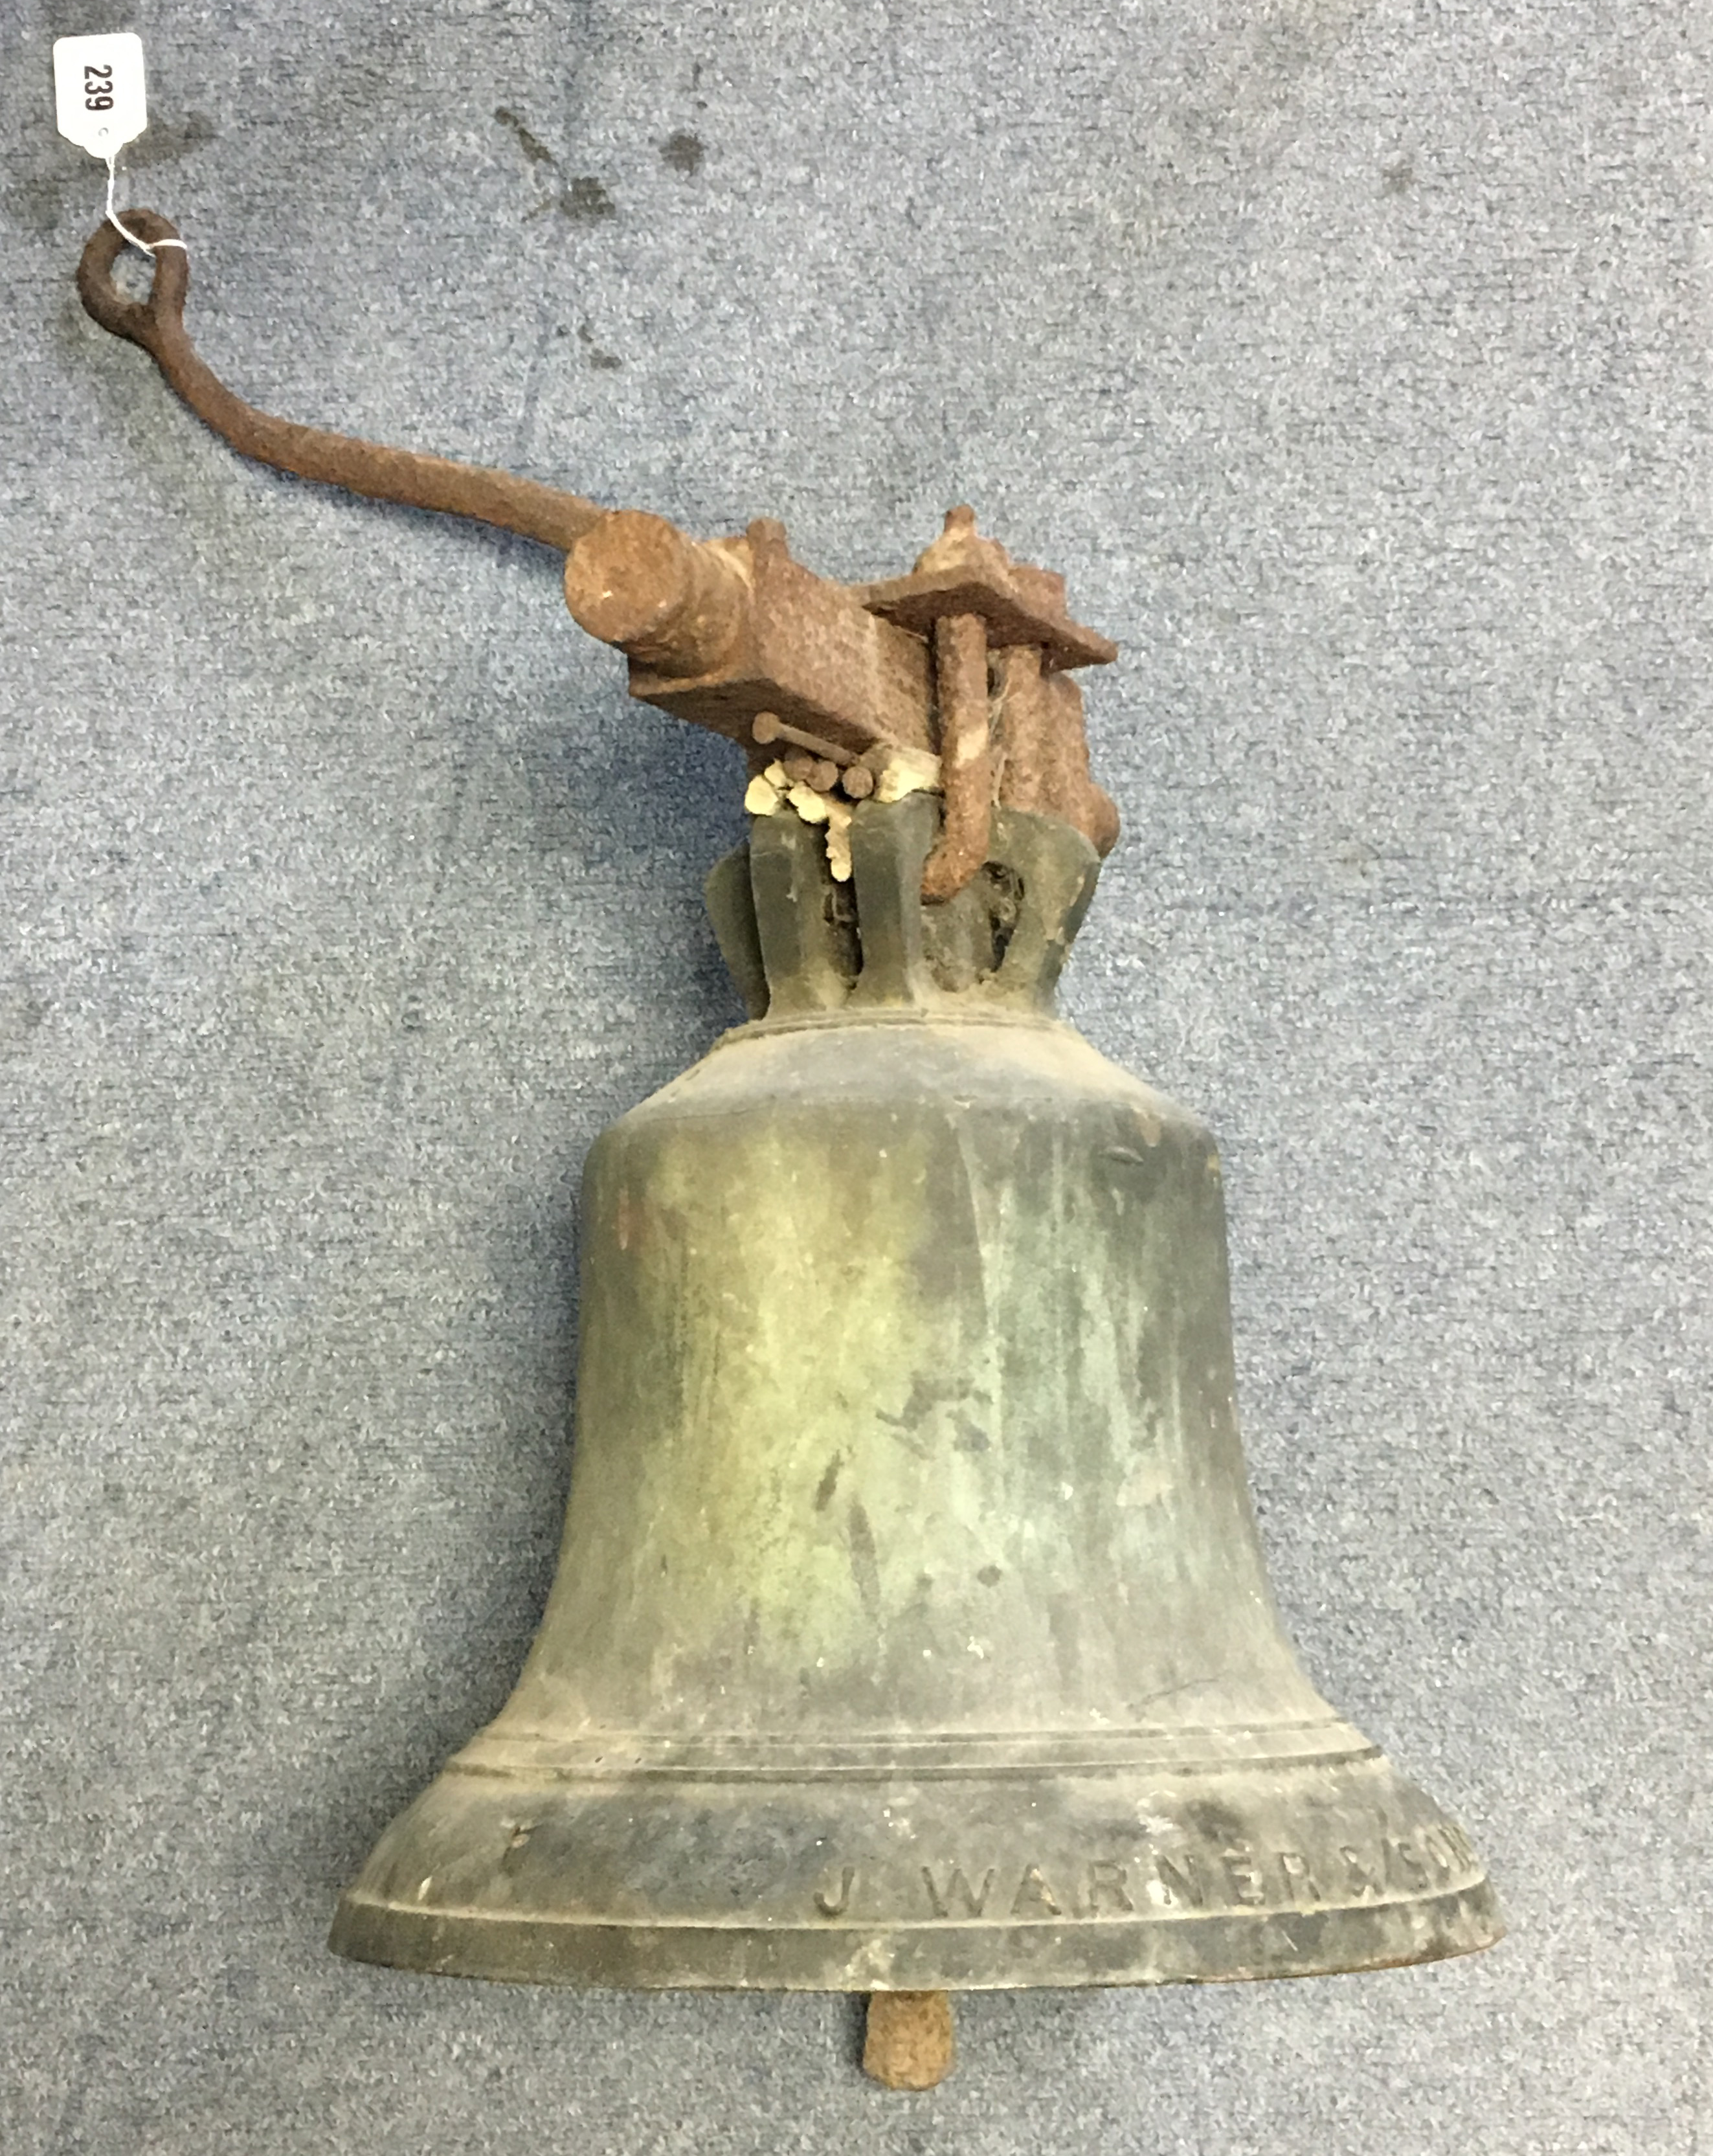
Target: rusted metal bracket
[[720, 631]]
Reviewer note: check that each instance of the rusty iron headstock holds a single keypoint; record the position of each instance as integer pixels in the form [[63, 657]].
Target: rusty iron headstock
[[958, 675]]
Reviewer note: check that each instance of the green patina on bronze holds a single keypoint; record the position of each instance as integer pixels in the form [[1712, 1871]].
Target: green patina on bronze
[[910, 1630]]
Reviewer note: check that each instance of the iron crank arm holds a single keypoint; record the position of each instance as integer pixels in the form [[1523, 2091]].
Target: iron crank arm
[[545, 514]]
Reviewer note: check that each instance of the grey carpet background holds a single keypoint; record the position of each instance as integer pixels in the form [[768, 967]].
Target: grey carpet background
[[1350, 359]]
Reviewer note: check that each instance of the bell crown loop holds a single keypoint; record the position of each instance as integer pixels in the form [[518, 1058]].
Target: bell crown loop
[[800, 943]]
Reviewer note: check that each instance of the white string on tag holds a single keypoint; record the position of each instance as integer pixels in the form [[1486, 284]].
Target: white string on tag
[[100, 101], [124, 231]]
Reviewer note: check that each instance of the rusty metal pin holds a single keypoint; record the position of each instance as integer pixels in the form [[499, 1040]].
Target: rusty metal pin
[[966, 769], [769, 726], [817, 772], [910, 2042]]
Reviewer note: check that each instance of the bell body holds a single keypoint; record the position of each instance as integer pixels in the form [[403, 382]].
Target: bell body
[[912, 1630]]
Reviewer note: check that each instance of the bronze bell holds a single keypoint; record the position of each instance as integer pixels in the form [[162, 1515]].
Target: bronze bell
[[910, 1630]]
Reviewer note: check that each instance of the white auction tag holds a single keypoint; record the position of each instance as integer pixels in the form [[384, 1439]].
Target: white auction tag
[[99, 96]]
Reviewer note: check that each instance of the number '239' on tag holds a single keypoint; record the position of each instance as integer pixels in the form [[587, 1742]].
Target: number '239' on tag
[[99, 98]]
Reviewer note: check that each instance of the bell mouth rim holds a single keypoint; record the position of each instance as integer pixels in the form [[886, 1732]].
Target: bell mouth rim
[[1108, 1953]]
